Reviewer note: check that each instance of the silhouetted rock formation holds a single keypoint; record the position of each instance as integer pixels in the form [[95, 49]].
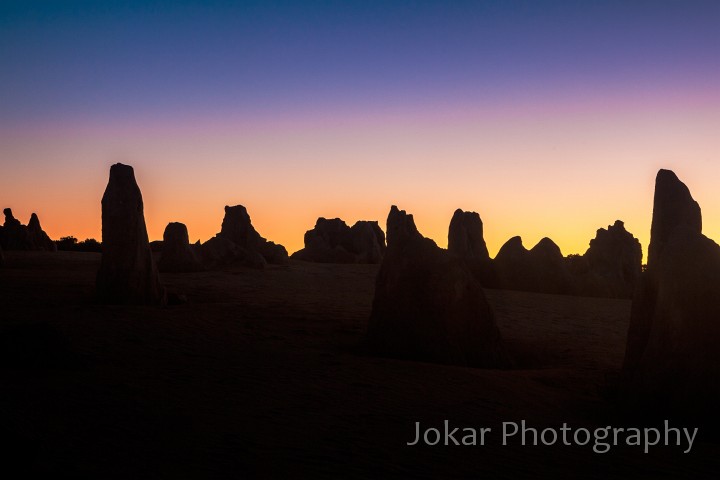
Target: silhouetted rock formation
[[332, 241], [10, 220], [465, 236], [368, 241], [465, 240], [239, 243], [541, 269], [177, 255], [428, 305], [611, 266], [550, 268], [327, 242], [238, 228], [2, 258], [672, 365], [39, 240], [16, 236], [220, 252], [127, 272], [673, 207], [512, 266]]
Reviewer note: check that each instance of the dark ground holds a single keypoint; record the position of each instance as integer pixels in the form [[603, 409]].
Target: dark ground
[[263, 374]]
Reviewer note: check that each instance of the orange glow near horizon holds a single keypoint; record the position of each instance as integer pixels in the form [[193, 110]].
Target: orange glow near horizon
[[543, 170]]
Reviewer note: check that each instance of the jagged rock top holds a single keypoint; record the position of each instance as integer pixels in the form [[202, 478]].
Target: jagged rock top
[[10, 220], [465, 235], [333, 241], [238, 229], [401, 228]]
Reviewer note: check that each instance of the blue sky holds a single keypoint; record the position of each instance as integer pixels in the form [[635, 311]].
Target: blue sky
[[124, 58]]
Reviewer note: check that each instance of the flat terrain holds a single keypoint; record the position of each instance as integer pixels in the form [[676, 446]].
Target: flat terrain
[[264, 373]]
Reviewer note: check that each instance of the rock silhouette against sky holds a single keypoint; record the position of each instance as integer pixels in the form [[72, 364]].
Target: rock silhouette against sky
[[333, 241], [177, 254], [466, 241], [671, 361], [237, 227], [127, 272], [611, 266], [39, 240], [465, 236], [428, 305], [238, 243], [541, 269], [16, 236]]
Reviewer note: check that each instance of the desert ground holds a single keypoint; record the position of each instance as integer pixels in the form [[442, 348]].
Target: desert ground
[[263, 373]]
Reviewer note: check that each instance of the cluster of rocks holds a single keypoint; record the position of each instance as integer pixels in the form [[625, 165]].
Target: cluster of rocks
[[333, 241], [16, 236], [671, 361], [609, 268], [128, 273], [238, 243], [428, 305], [429, 302]]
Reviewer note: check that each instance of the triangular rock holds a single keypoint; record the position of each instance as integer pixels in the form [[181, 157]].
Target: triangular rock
[[39, 240]]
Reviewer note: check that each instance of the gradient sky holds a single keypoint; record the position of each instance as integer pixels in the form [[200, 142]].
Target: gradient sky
[[548, 119]]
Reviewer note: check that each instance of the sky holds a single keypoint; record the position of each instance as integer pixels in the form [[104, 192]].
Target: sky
[[548, 118]]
